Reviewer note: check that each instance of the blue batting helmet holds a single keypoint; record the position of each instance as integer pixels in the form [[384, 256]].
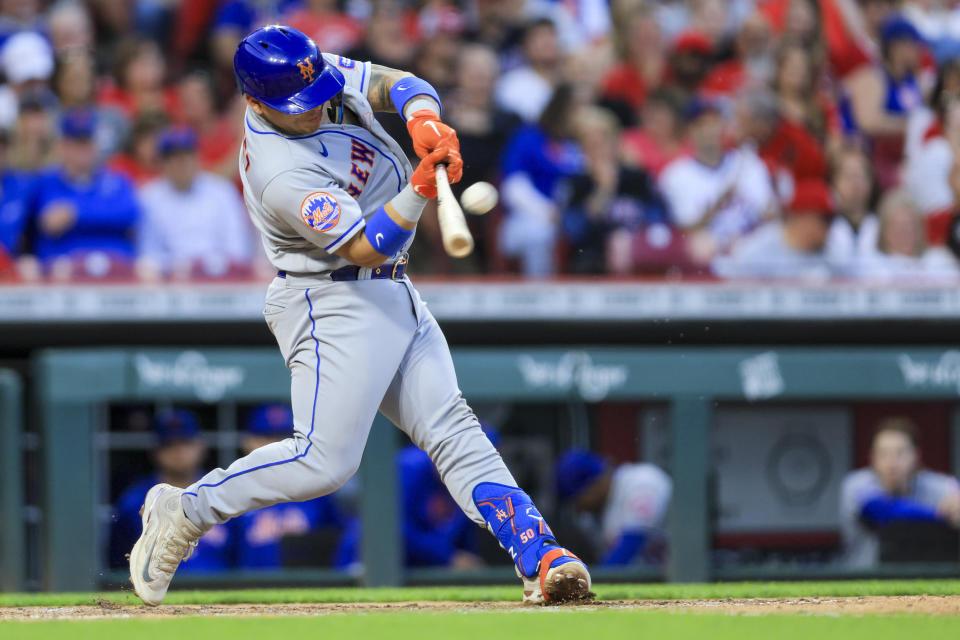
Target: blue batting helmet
[[176, 425], [576, 471], [282, 68], [270, 420]]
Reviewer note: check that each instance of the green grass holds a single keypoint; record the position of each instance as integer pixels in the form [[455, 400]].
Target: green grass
[[506, 593], [523, 623]]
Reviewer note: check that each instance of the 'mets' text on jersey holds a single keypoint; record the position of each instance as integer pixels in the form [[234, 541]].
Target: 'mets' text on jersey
[[308, 195]]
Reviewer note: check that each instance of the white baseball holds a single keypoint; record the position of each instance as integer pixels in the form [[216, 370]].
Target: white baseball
[[479, 198]]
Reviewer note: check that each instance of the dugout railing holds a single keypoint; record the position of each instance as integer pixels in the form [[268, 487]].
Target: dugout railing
[[12, 502], [72, 386]]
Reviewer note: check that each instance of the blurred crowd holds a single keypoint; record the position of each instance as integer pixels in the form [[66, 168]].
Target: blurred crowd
[[808, 139]]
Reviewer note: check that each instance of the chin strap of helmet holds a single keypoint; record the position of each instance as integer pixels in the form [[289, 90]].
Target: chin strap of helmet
[[335, 109]]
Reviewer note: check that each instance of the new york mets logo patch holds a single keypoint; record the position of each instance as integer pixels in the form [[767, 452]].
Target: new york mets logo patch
[[320, 211]]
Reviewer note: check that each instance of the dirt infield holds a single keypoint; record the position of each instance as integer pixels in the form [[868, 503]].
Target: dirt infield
[[883, 605]]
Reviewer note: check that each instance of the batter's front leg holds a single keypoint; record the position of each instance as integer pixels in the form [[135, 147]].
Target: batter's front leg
[[342, 351], [425, 402]]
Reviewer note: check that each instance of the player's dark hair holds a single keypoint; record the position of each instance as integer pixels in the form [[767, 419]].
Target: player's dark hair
[[898, 424]]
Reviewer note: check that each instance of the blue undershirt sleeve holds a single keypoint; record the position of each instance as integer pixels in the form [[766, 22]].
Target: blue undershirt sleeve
[[883, 510]]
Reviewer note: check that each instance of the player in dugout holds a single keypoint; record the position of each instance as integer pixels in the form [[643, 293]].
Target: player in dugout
[[263, 537], [337, 204], [177, 456], [628, 503], [893, 491], [436, 533]]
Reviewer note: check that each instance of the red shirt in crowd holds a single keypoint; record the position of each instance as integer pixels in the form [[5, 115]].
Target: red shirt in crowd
[[6, 265], [331, 32], [128, 166], [217, 144], [643, 149], [938, 219], [794, 150], [111, 95]]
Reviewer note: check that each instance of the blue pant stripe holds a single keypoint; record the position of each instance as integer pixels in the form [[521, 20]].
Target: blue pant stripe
[[316, 391]]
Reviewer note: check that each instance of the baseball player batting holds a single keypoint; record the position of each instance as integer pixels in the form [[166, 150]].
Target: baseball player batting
[[336, 203]]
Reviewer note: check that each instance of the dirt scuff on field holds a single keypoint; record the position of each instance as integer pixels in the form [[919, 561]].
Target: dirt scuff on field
[[868, 605]]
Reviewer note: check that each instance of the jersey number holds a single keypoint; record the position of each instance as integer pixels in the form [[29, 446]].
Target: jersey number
[[246, 156]]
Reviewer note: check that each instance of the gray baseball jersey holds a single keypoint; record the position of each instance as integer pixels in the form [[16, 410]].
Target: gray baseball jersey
[[352, 348], [308, 195]]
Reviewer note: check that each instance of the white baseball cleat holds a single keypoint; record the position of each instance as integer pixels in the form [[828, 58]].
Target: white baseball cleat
[[168, 539], [567, 580]]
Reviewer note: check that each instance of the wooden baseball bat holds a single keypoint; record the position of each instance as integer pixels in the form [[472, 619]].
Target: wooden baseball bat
[[457, 241]]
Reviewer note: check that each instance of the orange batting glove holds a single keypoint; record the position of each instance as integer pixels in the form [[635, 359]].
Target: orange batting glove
[[424, 179], [429, 133]]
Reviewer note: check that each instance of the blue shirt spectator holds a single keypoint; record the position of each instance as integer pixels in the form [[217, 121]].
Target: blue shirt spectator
[[243, 15], [16, 189], [537, 158], [260, 534], [15, 192], [81, 207], [543, 159]]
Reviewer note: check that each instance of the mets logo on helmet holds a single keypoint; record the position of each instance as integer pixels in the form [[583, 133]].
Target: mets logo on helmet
[[320, 211], [306, 69]]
